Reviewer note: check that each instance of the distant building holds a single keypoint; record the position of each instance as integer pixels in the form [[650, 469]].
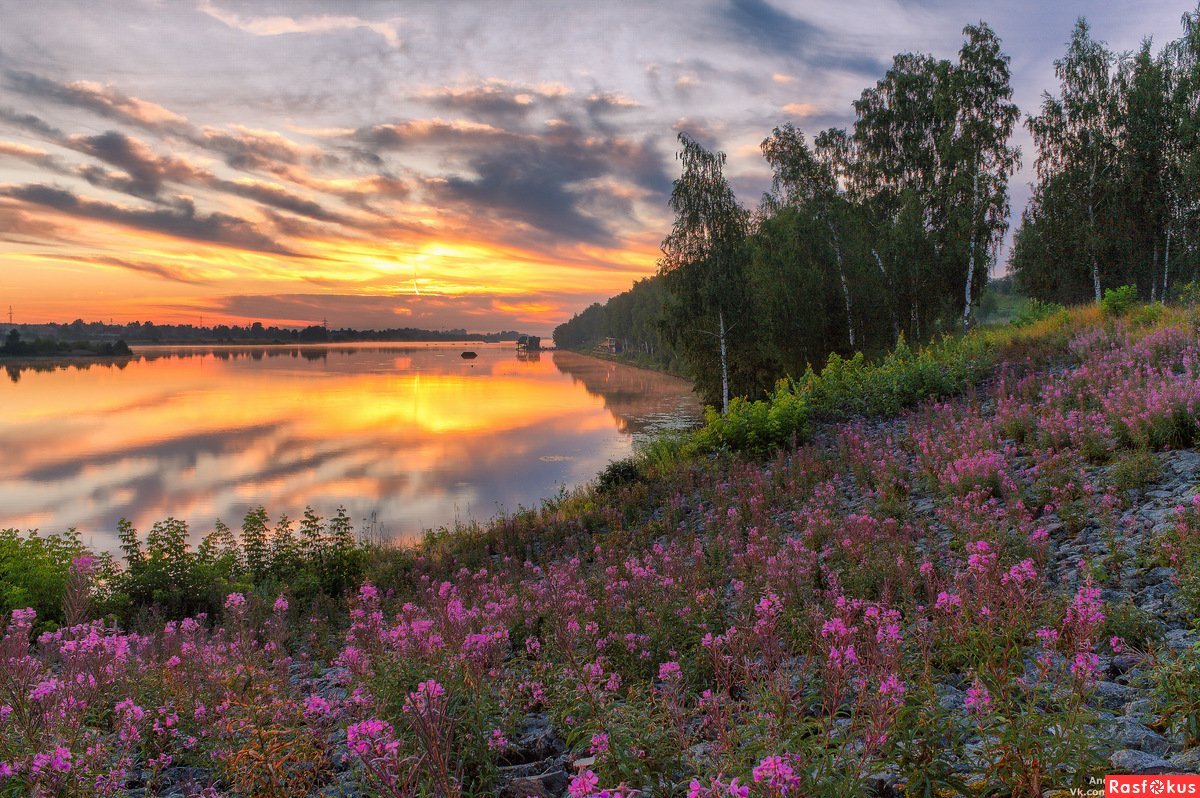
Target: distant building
[[529, 343], [612, 345]]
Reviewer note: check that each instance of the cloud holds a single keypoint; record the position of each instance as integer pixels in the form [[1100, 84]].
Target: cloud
[[147, 171], [478, 312], [764, 25], [99, 99], [281, 25], [182, 222], [17, 225], [29, 123], [241, 147], [248, 149], [177, 274], [540, 180], [489, 100], [33, 155]]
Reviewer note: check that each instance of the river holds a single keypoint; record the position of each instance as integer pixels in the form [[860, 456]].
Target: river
[[404, 436]]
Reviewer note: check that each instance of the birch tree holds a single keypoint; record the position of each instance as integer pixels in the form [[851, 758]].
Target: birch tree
[[703, 259]]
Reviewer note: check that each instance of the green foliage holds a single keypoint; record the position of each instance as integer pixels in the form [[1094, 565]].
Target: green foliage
[[1117, 156], [313, 562], [1036, 310], [849, 388], [1136, 469], [1136, 627], [758, 427], [617, 474], [1177, 683], [1118, 302], [34, 571], [1189, 293]]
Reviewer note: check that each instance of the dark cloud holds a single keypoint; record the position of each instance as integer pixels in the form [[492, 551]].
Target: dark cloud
[[147, 171], [101, 100], [469, 311], [216, 228], [30, 123], [278, 197], [249, 150], [541, 180], [779, 33], [760, 23], [487, 101]]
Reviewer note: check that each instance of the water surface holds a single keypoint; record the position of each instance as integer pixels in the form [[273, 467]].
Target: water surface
[[404, 436]]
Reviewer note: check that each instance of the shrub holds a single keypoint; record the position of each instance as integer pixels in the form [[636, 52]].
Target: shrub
[[1147, 315], [1136, 469], [617, 474], [1178, 685], [1036, 310], [1189, 292], [1119, 301]]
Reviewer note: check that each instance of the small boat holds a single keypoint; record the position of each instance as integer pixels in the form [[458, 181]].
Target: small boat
[[469, 355]]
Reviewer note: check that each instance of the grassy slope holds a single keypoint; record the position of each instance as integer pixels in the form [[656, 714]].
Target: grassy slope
[[898, 601]]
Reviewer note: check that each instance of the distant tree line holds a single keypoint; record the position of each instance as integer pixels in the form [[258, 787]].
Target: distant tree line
[[634, 318], [16, 346], [148, 332], [1117, 199]]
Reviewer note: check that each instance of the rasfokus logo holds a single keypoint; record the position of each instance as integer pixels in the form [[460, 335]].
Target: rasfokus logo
[[1151, 785]]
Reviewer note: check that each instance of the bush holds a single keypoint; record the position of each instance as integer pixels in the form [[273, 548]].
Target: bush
[[1036, 310], [617, 474], [34, 571], [1189, 292], [1119, 301], [1136, 469]]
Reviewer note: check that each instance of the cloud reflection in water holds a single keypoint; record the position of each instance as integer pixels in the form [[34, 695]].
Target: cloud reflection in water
[[413, 434]]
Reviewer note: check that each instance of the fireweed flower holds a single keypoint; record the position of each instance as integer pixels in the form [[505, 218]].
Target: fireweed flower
[[583, 785], [234, 600], [978, 699], [281, 605], [1086, 666], [891, 687], [371, 738], [424, 697], [774, 772], [599, 744]]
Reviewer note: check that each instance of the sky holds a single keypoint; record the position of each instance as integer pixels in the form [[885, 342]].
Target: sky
[[489, 166]]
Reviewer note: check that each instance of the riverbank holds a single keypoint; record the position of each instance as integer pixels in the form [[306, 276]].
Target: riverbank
[[993, 592]]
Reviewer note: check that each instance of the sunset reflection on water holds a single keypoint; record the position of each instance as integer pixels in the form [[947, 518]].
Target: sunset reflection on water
[[411, 434]]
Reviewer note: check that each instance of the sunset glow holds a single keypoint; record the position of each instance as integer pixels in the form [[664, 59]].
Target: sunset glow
[[407, 164]]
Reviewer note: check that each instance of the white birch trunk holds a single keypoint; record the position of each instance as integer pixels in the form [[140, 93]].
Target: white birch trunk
[[891, 307], [1166, 264], [970, 279], [837, 250], [724, 365]]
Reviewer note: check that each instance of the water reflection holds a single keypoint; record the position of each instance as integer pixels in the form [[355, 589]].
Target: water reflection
[[413, 434]]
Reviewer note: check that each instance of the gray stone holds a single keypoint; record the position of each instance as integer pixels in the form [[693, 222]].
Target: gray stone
[[1111, 695], [1131, 734], [1187, 761], [950, 697], [1129, 761], [1123, 663], [1179, 639], [1140, 709]]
